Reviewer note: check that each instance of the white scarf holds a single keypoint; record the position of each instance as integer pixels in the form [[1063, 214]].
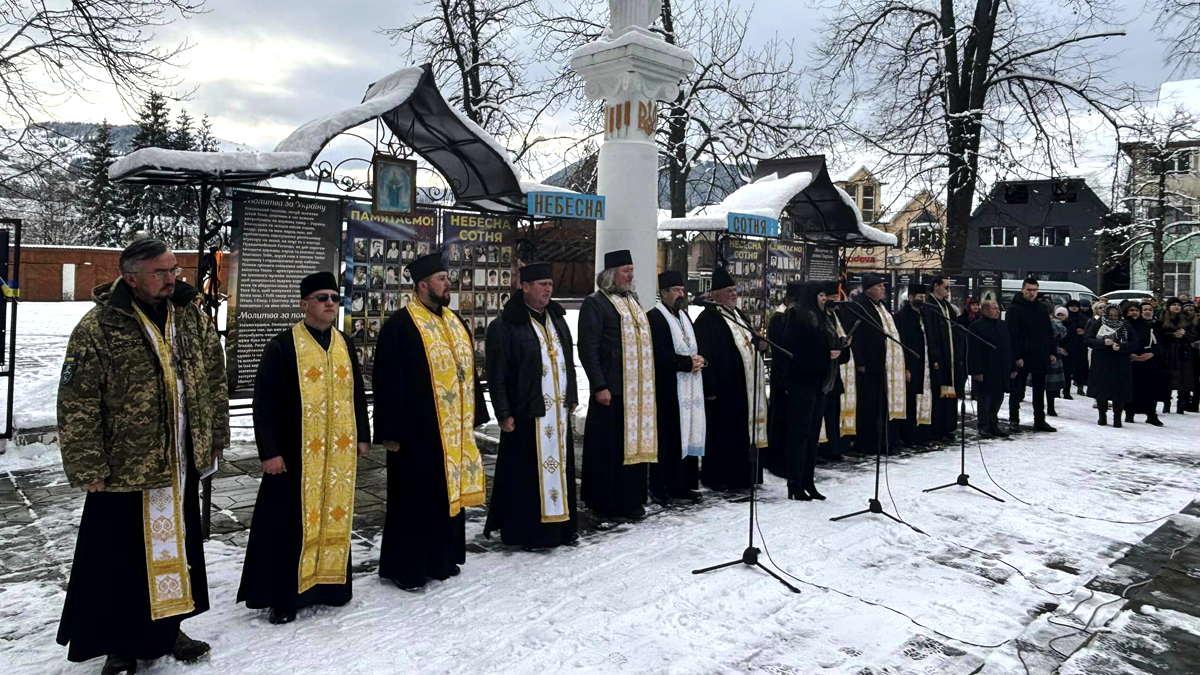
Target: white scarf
[[551, 428], [751, 360], [689, 387]]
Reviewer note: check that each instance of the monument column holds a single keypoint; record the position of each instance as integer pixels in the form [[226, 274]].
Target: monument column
[[631, 69]]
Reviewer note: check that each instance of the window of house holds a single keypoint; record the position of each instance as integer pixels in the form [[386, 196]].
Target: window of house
[[998, 236], [868, 203], [1065, 193], [1177, 278], [1016, 194], [707, 256], [1180, 161], [1049, 236], [852, 190], [924, 237]]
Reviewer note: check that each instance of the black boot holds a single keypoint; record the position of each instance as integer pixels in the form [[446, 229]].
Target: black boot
[[1067, 394], [119, 665], [281, 616], [1152, 420], [812, 492], [186, 649], [1050, 408], [1129, 417], [1102, 406], [1181, 404]]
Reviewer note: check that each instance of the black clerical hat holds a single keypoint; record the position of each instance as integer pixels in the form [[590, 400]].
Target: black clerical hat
[[917, 289], [426, 266], [870, 280], [536, 272], [793, 289], [832, 288], [721, 278], [617, 259], [669, 279], [318, 281]]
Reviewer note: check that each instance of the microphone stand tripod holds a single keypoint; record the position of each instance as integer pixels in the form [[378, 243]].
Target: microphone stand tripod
[[873, 504], [963, 479], [750, 555]]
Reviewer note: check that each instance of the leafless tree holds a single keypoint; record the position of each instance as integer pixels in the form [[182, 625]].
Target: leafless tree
[[1177, 23], [478, 53], [48, 207], [53, 52], [1162, 194], [949, 88]]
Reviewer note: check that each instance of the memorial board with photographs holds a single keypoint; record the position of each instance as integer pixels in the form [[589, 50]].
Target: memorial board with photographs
[[378, 251], [785, 263], [481, 254], [746, 262]]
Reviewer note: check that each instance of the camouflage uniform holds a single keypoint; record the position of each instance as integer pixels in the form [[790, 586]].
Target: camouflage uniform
[[112, 402]]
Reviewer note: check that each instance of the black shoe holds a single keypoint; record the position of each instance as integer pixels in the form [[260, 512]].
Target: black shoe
[[801, 495], [119, 665], [660, 498], [281, 616], [1014, 426], [1051, 412], [1067, 395], [997, 431], [1040, 425], [186, 649], [985, 432], [1117, 422], [692, 496], [411, 588], [635, 513], [1153, 421], [571, 539], [1129, 418], [455, 570], [812, 492], [1103, 421]]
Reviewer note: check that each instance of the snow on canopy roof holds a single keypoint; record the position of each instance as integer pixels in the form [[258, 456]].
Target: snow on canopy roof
[[765, 197]]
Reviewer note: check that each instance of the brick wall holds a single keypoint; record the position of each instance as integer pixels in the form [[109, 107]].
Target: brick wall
[[42, 270]]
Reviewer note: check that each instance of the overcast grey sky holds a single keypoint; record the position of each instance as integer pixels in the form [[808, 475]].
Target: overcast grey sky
[[263, 67]]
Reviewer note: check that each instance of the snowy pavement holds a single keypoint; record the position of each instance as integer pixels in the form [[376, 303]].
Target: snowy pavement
[[625, 601]]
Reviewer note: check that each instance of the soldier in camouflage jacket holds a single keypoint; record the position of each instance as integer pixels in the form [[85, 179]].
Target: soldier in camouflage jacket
[[112, 406]]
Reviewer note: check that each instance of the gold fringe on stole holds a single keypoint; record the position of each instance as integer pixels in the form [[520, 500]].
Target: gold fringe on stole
[[329, 451], [637, 375], [550, 430], [948, 391], [451, 362], [163, 529], [925, 398], [847, 412], [896, 398]]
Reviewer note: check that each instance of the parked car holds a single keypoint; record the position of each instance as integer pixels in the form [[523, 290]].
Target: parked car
[[1116, 297]]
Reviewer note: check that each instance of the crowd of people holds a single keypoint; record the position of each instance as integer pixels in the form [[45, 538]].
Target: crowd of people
[[672, 405]]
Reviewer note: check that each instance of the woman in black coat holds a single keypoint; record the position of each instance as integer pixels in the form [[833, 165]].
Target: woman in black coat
[[1177, 338], [1075, 361], [1110, 378], [816, 348], [1147, 384]]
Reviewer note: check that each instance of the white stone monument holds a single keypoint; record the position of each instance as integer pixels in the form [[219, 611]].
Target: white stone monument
[[631, 69]]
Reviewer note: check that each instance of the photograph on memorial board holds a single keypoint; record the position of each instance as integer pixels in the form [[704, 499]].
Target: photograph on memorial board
[[467, 302], [356, 328], [406, 251], [453, 252], [506, 255], [467, 252], [467, 276], [376, 276], [422, 248], [405, 298], [480, 301], [360, 250], [505, 278], [479, 353], [504, 298], [480, 328], [394, 188], [454, 297], [376, 250], [493, 301], [391, 302], [493, 278], [391, 278], [405, 277], [373, 329], [494, 254], [480, 278], [393, 252], [374, 302], [360, 276], [358, 303], [481, 255], [368, 358], [452, 274]]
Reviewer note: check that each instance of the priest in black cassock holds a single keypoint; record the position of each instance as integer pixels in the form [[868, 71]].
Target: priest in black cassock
[[310, 432], [531, 375], [679, 393], [947, 353], [426, 409], [914, 324], [734, 356], [774, 456], [879, 365], [620, 434]]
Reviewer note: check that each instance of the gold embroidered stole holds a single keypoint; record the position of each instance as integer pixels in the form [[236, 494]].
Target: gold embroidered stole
[[925, 398], [948, 391], [452, 377], [751, 360], [163, 527], [551, 428], [329, 457], [637, 377], [849, 402], [894, 368]]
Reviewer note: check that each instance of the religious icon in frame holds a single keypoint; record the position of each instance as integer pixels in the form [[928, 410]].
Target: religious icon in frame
[[394, 188]]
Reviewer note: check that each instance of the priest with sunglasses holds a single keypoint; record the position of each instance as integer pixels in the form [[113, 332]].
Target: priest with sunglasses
[[310, 426]]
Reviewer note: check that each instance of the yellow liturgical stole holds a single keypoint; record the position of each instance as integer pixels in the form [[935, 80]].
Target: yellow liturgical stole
[[452, 374], [329, 434]]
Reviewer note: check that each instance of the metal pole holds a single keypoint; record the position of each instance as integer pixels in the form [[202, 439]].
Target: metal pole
[[14, 282], [206, 506]]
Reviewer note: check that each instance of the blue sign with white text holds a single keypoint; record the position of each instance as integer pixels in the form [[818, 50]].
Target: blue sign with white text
[[753, 226], [565, 205]]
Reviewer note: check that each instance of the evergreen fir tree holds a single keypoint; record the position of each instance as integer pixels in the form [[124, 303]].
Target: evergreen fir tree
[[184, 229], [151, 208], [99, 198]]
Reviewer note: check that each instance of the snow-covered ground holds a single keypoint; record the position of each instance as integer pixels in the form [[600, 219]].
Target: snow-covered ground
[[626, 601]]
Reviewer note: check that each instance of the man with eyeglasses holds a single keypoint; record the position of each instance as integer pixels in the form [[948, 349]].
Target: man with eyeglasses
[[310, 416], [142, 411]]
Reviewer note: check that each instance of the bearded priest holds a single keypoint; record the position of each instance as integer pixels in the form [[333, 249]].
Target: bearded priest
[[426, 409], [531, 375], [310, 426]]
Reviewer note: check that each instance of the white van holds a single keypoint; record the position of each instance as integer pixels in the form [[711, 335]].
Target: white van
[[1059, 291]]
